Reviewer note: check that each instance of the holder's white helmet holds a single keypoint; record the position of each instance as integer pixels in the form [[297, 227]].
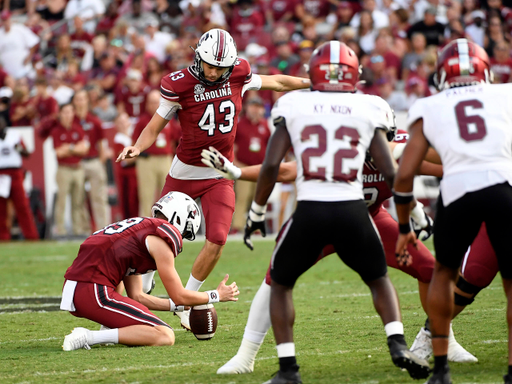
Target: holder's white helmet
[[181, 211], [216, 47]]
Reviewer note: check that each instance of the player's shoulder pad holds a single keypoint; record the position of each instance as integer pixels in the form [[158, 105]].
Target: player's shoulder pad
[[173, 84], [170, 234]]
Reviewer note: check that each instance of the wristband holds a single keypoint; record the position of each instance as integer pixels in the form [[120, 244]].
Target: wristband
[[402, 197], [257, 212], [404, 229], [213, 296], [174, 307]]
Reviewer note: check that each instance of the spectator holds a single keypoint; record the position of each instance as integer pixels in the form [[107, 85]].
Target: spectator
[[22, 109], [171, 19], [5, 102], [399, 23], [496, 7], [70, 147], [132, 97], [90, 11], [366, 33], [93, 162], [99, 47], [250, 147], [397, 100], [108, 21], [305, 50], [52, 10], [12, 149], [154, 73], [18, 45], [494, 34], [285, 58], [138, 19], [106, 75], [344, 13], [244, 17], [63, 54], [280, 11], [81, 40], [104, 109], [476, 30], [59, 90], [6, 80], [156, 41], [468, 7], [73, 78], [380, 19], [501, 63], [154, 163], [429, 27], [19, 7], [392, 61], [45, 105], [122, 34], [418, 45], [318, 9], [125, 170]]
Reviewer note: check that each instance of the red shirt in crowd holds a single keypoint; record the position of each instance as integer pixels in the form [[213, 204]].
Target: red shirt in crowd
[[246, 24], [164, 143], [134, 103], [316, 8], [93, 133], [25, 120], [279, 8], [251, 141], [62, 135], [45, 107], [502, 70]]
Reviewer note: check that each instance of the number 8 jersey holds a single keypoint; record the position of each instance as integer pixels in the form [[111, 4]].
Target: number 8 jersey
[[471, 129], [208, 115], [330, 133]]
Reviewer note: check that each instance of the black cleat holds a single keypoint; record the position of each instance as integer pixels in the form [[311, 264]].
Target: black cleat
[[441, 377], [288, 377], [508, 379], [405, 359]]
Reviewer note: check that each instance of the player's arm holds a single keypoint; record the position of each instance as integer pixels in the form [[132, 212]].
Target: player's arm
[[278, 145], [146, 138], [382, 157], [283, 83], [133, 286], [430, 166], [164, 259], [287, 172], [414, 153]]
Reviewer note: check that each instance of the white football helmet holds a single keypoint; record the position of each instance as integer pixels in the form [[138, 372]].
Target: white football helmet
[[216, 47], [181, 211]]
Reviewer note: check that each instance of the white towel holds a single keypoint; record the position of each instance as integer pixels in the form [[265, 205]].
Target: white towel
[[5, 186], [68, 294]]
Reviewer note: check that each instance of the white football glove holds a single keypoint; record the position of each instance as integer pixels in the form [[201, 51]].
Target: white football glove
[[422, 224], [216, 160]]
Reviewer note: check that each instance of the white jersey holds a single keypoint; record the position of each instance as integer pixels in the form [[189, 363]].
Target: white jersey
[[330, 133], [9, 156], [471, 129]]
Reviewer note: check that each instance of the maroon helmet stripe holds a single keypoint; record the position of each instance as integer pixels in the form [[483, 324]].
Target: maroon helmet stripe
[[220, 45]]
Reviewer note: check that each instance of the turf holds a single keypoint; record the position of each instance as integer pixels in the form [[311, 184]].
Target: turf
[[339, 338]]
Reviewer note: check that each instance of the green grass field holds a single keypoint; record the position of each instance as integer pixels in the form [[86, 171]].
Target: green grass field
[[338, 336]]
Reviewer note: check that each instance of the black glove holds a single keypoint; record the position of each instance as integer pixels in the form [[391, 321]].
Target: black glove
[[255, 222]]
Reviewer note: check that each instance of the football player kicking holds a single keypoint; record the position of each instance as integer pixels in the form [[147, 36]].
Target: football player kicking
[[468, 124], [121, 252], [207, 96], [330, 160]]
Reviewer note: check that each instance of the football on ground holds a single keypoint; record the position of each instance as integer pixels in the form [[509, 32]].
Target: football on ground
[[203, 321]]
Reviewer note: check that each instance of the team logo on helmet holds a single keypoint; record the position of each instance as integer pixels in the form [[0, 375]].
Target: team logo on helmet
[[198, 89]]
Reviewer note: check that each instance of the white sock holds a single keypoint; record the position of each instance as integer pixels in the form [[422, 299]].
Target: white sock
[[286, 350], [394, 328], [103, 337], [258, 322], [147, 281], [193, 284]]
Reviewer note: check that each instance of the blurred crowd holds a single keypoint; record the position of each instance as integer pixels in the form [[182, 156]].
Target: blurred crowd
[[74, 68]]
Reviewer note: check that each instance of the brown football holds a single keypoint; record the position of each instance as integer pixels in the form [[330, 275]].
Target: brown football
[[203, 321]]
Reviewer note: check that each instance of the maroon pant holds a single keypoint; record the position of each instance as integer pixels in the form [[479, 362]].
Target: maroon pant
[[217, 203], [21, 205]]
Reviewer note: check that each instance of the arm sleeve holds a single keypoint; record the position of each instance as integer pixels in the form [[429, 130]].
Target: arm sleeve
[[167, 108]]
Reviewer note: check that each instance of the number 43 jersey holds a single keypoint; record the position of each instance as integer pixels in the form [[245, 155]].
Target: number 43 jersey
[[330, 133], [471, 129], [208, 115], [120, 250]]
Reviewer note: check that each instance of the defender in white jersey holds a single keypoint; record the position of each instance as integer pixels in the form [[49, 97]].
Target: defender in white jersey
[[330, 129], [469, 123]]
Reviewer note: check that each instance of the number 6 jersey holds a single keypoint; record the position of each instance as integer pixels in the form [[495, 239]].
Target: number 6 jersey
[[330, 133], [471, 129]]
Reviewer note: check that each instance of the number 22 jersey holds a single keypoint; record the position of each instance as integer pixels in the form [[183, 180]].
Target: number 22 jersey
[[330, 133], [471, 129]]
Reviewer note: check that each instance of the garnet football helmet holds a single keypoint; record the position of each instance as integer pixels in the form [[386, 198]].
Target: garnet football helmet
[[181, 211], [334, 67], [462, 62], [216, 47]]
